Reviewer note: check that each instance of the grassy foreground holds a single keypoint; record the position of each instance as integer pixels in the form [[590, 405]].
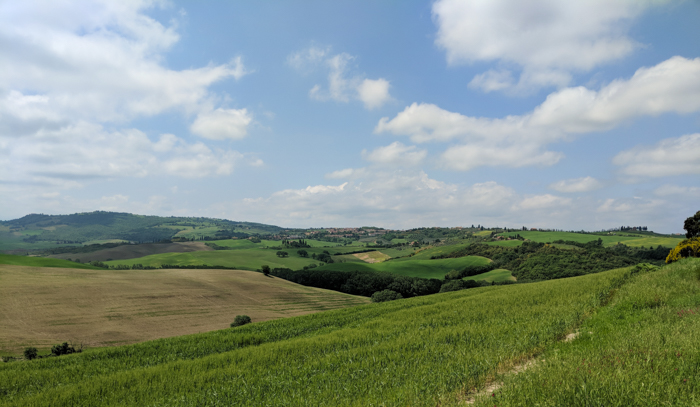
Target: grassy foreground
[[640, 350], [420, 352]]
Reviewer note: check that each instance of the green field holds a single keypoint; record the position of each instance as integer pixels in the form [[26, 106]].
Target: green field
[[244, 259], [497, 275], [506, 243], [630, 239], [42, 262], [412, 268]]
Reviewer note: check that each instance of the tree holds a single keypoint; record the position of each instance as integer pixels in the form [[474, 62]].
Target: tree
[[266, 269], [30, 353], [62, 349], [240, 320], [303, 253], [385, 295], [281, 253], [692, 226]]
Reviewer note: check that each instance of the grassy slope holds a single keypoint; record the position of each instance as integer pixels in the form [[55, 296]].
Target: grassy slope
[[42, 262], [421, 352], [640, 350], [608, 240], [412, 267], [493, 275]]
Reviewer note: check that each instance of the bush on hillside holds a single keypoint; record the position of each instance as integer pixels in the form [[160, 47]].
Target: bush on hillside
[[687, 248], [240, 320], [31, 353], [456, 285], [63, 349], [386, 295]]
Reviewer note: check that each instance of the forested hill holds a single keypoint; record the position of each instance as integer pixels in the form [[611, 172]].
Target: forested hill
[[79, 228]]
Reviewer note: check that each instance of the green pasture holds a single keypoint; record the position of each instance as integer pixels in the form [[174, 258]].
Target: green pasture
[[42, 262], [431, 251], [497, 275], [244, 259], [608, 240], [423, 351], [412, 268], [397, 252], [506, 243]]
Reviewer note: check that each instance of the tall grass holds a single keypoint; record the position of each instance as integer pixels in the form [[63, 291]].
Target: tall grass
[[640, 350], [419, 351]]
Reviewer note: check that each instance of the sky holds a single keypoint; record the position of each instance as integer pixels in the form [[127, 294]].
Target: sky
[[398, 114]]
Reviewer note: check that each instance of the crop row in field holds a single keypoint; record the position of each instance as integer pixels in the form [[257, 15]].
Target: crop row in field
[[421, 352]]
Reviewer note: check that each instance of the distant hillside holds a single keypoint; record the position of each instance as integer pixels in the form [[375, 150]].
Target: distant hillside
[[38, 231]]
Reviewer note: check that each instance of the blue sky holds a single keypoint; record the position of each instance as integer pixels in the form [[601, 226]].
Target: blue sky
[[538, 113]]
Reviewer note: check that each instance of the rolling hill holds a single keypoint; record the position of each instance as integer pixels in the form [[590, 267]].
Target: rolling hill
[[620, 337]]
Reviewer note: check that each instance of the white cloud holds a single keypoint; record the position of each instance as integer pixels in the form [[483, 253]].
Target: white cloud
[[670, 190], [546, 201], [672, 86], [342, 87], [546, 39], [492, 80], [97, 61], [584, 184], [671, 156], [73, 73], [75, 154], [221, 124], [467, 157], [374, 93], [395, 153]]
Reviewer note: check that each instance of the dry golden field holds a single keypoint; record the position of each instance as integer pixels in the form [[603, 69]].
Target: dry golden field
[[41, 306]]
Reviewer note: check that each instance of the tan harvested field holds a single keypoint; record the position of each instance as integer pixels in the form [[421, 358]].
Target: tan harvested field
[[41, 306], [133, 251], [372, 257]]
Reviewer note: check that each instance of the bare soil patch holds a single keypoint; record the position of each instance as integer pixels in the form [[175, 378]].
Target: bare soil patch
[[44, 306], [133, 251]]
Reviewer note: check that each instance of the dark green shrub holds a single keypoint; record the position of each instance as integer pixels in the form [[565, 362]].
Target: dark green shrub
[[31, 353], [266, 270], [240, 320], [386, 295], [62, 349], [456, 285]]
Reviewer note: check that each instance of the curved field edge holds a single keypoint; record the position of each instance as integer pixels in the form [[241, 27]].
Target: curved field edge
[[418, 351], [639, 350]]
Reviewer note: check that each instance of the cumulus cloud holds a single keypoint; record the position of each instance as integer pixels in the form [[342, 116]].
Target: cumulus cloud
[[395, 153], [374, 93], [342, 86], [221, 124], [671, 156], [97, 61], [75, 74], [584, 184], [546, 39], [672, 86], [81, 152]]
